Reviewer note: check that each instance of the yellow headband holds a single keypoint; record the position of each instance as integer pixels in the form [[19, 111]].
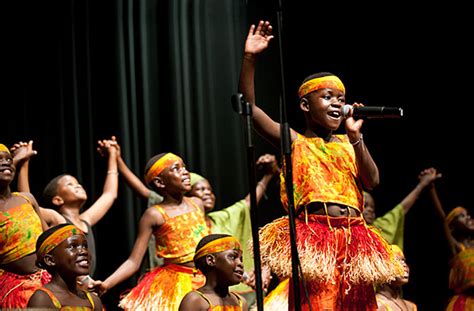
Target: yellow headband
[[315, 84], [397, 250], [160, 165], [56, 238], [4, 148], [454, 213], [217, 246]]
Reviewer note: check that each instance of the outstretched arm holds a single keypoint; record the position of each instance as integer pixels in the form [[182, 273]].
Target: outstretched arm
[[101, 206], [22, 152], [150, 218], [454, 245], [257, 41], [269, 165], [130, 178], [426, 178]]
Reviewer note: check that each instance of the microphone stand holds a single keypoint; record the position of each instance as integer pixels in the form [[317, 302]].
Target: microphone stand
[[285, 138], [243, 108]]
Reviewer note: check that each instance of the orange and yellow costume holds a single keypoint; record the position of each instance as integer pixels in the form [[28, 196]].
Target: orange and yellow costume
[[164, 287], [461, 280], [20, 227], [341, 257]]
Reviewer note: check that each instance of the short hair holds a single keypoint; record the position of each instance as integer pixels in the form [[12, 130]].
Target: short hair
[[51, 190], [148, 166], [200, 263]]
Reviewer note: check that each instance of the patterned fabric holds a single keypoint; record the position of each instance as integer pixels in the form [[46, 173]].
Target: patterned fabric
[[16, 290], [58, 305], [160, 165], [391, 225], [236, 221], [20, 227], [315, 84], [163, 288], [461, 303], [217, 246], [56, 238], [324, 172], [340, 264], [177, 238], [277, 299], [461, 276], [222, 308]]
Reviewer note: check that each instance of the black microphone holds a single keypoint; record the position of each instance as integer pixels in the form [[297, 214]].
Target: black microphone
[[371, 112]]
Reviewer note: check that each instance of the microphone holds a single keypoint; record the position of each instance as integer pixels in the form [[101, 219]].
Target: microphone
[[371, 112]]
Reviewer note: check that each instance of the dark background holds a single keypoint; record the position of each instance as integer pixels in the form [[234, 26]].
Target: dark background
[[159, 75]]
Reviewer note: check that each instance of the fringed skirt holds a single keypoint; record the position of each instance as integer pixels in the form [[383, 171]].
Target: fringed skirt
[[341, 259], [162, 288], [16, 289]]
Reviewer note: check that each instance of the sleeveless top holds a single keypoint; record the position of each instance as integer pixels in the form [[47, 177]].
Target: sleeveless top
[[222, 308], [90, 244], [20, 227], [177, 238], [461, 275], [58, 305], [324, 172]]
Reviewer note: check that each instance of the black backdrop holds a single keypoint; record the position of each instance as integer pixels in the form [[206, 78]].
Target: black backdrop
[[159, 75]]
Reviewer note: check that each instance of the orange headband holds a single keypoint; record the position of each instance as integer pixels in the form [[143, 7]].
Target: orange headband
[[160, 165], [454, 213], [4, 149], [315, 84], [56, 238], [217, 246]]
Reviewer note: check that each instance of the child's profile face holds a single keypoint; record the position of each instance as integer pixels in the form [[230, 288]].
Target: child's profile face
[[230, 266], [69, 189], [402, 279], [72, 256], [464, 222], [324, 108], [203, 190]]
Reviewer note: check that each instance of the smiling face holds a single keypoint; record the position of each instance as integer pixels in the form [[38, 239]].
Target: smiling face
[[203, 190], [69, 189], [7, 169], [463, 223], [71, 257], [403, 278], [322, 108]]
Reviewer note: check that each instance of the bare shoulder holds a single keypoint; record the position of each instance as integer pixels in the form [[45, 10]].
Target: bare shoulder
[[198, 202], [193, 301], [52, 217], [153, 216], [40, 299]]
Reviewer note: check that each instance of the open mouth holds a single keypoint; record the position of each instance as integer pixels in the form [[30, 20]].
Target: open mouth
[[335, 114]]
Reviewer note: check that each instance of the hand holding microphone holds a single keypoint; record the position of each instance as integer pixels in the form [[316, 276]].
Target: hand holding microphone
[[363, 112]]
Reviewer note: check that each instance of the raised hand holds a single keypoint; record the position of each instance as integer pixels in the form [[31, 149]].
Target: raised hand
[[428, 176], [105, 144], [269, 164], [22, 151], [258, 38]]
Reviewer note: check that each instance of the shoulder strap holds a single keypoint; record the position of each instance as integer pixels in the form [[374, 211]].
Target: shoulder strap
[[161, 211], [53, 298], [204, 297], [239, 298], [89, 297], [196, 207], [23, 196]]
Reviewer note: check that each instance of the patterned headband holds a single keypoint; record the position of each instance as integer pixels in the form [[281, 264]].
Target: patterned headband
[[56, 238], [315, 84], [217, 246], [160, 165], [454, 213]]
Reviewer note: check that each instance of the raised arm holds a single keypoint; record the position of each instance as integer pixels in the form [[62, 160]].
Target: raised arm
[[22, 152], [149, 220], [101, 206], [426, 177], [257, 41], [454, 245], [269, 164]]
